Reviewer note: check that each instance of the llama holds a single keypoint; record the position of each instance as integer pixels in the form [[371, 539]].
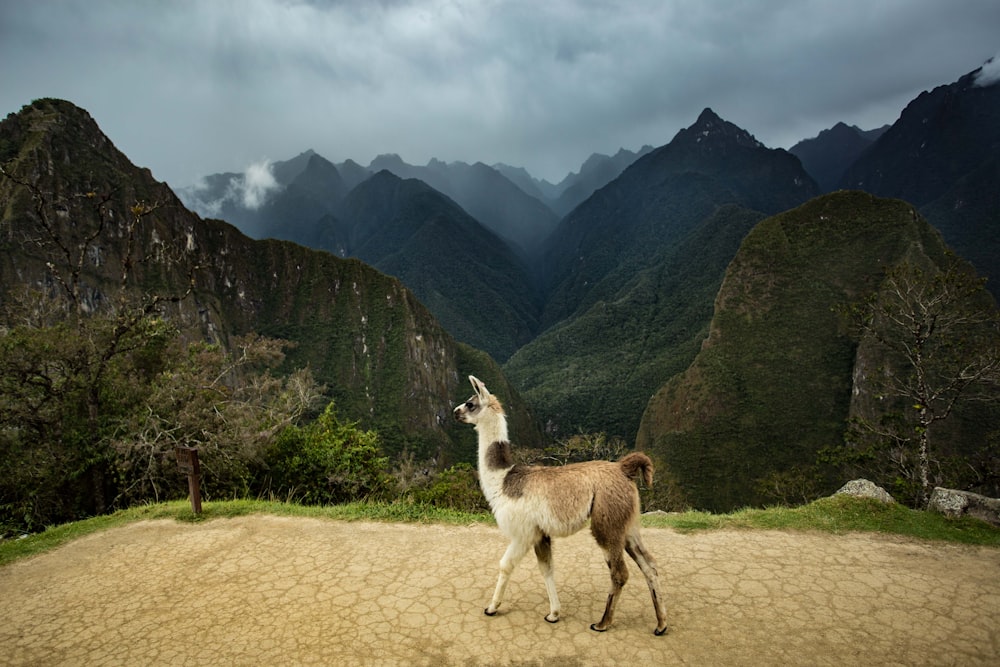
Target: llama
[[533, 504]]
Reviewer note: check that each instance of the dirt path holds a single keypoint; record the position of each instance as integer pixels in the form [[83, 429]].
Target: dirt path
[[264, 590]]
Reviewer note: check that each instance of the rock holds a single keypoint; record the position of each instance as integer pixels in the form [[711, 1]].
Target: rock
[[954, 503], [862, 488]]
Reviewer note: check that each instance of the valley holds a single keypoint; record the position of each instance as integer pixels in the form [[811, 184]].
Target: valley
[[680, 297]]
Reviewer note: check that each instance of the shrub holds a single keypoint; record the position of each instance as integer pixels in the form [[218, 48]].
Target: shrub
[[455, 488], [326, 462]]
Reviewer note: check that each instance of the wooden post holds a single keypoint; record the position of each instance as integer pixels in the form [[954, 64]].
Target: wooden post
[[187, 461]]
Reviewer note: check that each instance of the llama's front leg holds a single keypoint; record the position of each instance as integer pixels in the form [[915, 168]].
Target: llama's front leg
[[515, 552], [619, 575], [543, 551], [647, 564]]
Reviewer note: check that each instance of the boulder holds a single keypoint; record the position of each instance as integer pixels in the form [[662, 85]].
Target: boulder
[[862, 488], [954, 503]]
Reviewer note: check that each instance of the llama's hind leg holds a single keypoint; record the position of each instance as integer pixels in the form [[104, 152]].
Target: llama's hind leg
[[515, 552], [637, 550], [619, 575], [543, 550]]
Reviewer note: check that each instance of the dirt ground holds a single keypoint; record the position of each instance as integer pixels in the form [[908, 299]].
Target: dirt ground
[[265, 590]]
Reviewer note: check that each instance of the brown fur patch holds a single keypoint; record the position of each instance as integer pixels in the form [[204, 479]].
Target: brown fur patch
[[543, 549], [498, 455], [494, 405], [515, 480], [616, 505], [569, 487]]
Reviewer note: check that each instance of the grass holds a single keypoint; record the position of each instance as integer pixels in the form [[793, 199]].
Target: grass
[[835, 515], [839, 515]]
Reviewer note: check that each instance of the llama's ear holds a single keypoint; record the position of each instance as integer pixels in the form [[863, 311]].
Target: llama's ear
[[479, 387]]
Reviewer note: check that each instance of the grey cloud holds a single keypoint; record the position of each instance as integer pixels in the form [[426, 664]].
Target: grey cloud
[[190, 88]]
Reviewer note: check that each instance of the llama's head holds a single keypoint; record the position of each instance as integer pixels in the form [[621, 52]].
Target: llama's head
[[480, 405]]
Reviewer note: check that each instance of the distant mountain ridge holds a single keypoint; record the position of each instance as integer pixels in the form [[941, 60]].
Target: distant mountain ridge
[[524, 216], [467, 276], [943, 155], [828, 155], [485, 193]]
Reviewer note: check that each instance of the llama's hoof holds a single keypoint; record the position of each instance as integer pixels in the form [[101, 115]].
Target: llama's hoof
[[593, 626], [660, 632], [490, 613], [552, 619]]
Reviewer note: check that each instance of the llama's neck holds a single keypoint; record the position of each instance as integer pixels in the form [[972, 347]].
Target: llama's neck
[[491, 429], [490, 474]]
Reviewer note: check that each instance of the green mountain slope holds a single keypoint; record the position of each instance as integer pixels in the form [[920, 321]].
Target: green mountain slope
[[625, 226], [598, 370], [465, 274], [634, 269], [772, 383], [383, 356]]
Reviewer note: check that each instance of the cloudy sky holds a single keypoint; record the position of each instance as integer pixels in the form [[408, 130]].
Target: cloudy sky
[[189, 88]]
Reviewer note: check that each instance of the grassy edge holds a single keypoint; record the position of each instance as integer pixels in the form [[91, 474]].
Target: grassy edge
[[835, 515], [839, 515], [180, 510]]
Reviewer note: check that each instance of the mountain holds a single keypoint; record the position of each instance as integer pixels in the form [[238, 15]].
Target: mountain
[[520, 177], [634, 270], [486, 194], [395, 223], [291, 200], [773, 382], [596, 371], [597, 171], [472, 281], [828, 155], [943, 156], [384, 358], [303, 210], [352, 174], [623, 227], [286, 172]]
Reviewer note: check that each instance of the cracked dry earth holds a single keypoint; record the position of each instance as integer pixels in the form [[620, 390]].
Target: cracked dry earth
[[264, 590]]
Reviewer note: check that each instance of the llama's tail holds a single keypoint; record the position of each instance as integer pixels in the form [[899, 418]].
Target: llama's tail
[[636, 462]]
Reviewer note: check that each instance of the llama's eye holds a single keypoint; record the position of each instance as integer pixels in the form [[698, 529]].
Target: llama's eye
[[469, 405]]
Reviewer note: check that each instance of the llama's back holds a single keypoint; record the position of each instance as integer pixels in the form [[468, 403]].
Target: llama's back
[[559, 500]]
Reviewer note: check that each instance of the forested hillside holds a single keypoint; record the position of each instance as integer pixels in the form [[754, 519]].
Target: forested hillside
[[83, 227], [773, 384], [633, 270]]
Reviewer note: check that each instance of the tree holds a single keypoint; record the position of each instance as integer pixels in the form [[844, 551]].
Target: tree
[[63, 383], [98, 385], [67, 346], [225, 403], [937, 333], [584, 447]]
